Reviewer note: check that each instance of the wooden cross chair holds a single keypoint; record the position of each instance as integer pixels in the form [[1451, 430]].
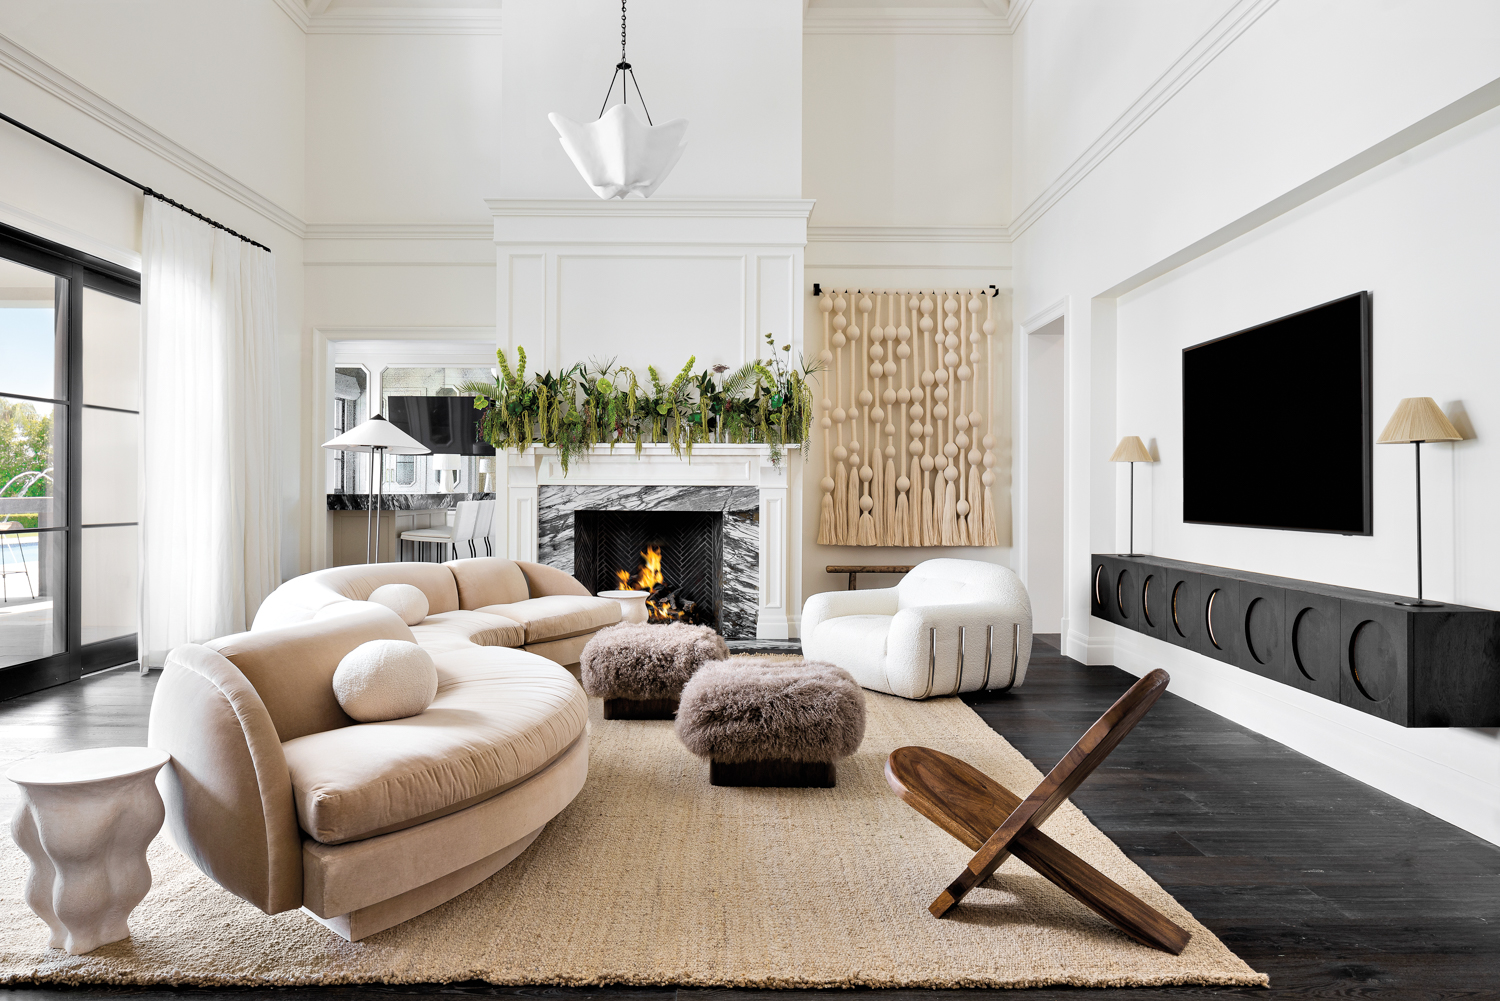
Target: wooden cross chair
[[996, 823]]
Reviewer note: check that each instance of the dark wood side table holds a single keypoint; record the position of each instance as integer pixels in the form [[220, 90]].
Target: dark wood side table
[[855, 571]]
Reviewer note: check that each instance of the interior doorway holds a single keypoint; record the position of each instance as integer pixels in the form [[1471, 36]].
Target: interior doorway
[[1042, 571]]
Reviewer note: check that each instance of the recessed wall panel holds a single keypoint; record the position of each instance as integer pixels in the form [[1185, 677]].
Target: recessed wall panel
[[651, 310]]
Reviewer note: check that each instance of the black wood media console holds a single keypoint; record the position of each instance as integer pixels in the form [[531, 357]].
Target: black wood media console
[[1412, 666]]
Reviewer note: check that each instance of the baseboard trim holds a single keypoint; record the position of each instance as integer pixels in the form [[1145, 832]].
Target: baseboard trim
[[1439, 770]]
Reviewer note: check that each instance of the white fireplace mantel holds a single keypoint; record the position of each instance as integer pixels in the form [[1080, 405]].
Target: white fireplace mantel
[[778, 485]]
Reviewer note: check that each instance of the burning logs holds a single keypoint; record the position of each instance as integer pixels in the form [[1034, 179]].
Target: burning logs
[[664, 603]]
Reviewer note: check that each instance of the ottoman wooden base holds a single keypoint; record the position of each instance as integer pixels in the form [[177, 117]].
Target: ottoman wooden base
[[640, 708], [777, 772]]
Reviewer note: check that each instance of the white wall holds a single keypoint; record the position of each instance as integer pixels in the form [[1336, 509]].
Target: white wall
[[907, 151], [1288, 151], [403, 146], [203, 102]]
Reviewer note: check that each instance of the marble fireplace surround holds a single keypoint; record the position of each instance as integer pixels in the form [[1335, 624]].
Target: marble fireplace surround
[[760, 500], [739, 610]]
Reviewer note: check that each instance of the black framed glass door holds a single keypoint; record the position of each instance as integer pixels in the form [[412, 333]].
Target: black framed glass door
[[69, 456]]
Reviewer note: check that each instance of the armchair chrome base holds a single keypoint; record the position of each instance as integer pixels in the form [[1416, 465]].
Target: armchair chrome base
[[989, 655]]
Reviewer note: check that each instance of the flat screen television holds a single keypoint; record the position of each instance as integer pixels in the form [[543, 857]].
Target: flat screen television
[[446, 424], [1276, 423]]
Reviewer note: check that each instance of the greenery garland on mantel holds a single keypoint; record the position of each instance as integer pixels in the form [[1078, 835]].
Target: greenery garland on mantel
[[601, 403]]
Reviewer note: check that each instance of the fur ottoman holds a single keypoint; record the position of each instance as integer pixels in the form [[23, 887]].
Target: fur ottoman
[[638, 669], [765, 722]]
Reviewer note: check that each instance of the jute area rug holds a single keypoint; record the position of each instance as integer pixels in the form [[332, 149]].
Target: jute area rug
[[652, 876]]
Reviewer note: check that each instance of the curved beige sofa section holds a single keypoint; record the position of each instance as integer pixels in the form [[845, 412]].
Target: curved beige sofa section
[[486, 601], [287, 802]]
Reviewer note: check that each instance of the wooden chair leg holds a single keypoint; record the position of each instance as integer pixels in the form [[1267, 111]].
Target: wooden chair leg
[[986, 816]]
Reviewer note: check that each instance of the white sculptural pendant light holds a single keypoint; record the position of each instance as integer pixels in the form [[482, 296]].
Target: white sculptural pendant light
[[618, 154]]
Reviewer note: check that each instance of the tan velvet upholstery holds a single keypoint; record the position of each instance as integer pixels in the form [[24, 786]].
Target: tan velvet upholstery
[[292, 668], [299, 598], [458, 629], [490, 726], [457, 591], [377, 917], [543, 580], [227, 791], [344, 878], [489, 580], [566, 652], [413, 811], [559, 616]]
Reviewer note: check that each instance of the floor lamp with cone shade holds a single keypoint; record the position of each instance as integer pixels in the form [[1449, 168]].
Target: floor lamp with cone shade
[[377, 436], [1132, 450], [1418, 419]]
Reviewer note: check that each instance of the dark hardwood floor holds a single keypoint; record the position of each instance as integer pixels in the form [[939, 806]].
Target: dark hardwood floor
[[1334, 889]]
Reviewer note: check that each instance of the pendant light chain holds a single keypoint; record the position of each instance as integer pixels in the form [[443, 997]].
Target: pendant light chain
[[624, 66]]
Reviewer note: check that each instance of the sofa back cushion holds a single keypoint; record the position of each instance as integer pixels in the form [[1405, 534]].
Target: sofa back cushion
[[954, 582], [488, 580], [359, 580], [291, 668]]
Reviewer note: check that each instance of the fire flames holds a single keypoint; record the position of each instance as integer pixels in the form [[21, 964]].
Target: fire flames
[[662, 605]]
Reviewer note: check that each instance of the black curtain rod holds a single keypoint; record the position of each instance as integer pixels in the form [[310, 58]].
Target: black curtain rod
[[148, 192]]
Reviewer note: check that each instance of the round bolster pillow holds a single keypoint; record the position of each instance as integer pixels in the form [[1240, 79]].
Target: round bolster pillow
[[384, 680], [406, 600]]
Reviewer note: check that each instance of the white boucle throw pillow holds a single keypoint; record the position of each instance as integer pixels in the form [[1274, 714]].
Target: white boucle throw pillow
[[385, 679], [406, 600]]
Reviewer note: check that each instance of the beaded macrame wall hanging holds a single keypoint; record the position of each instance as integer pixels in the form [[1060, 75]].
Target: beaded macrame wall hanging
[[907, 417]]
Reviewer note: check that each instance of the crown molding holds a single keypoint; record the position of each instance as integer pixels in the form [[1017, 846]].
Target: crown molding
[[393, 20], [656, 208], [1018, 9], [904, 21], [297, 11], [53, 81], [908, 234], [399, 231], [406, 21], [1198, 56]]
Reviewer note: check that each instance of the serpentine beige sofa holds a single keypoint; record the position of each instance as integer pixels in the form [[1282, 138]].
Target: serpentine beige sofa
[[488, 601], [287, 802]]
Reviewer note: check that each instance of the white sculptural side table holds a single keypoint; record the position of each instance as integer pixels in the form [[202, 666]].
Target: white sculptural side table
[[84, 821]]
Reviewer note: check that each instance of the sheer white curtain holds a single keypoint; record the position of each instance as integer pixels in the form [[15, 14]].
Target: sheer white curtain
[[210, 522]]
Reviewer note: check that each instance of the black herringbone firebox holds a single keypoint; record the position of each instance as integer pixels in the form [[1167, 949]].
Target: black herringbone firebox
[[691, 544]]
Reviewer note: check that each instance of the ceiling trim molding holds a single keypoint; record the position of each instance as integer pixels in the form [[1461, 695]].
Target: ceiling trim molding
[[375, 21], [296, 10], [53, 81], [656, 208], [1198, 56], [374, 333], [903, 21], [908, 234], [400, 231], [1018, 9]]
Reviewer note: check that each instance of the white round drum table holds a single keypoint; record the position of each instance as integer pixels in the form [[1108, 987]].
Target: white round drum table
[[84, 821]]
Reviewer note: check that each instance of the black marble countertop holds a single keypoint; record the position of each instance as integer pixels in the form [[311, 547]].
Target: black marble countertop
[[402, 501]]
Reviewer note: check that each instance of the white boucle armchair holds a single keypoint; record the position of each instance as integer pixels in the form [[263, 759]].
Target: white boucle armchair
[[950, 626]]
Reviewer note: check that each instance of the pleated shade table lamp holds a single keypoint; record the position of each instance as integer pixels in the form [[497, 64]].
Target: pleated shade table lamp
[[1132, 450], [377, 436], [1418, 419]]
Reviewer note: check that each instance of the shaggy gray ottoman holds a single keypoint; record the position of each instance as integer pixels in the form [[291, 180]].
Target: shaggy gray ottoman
[[766, 722], [639, 669]]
